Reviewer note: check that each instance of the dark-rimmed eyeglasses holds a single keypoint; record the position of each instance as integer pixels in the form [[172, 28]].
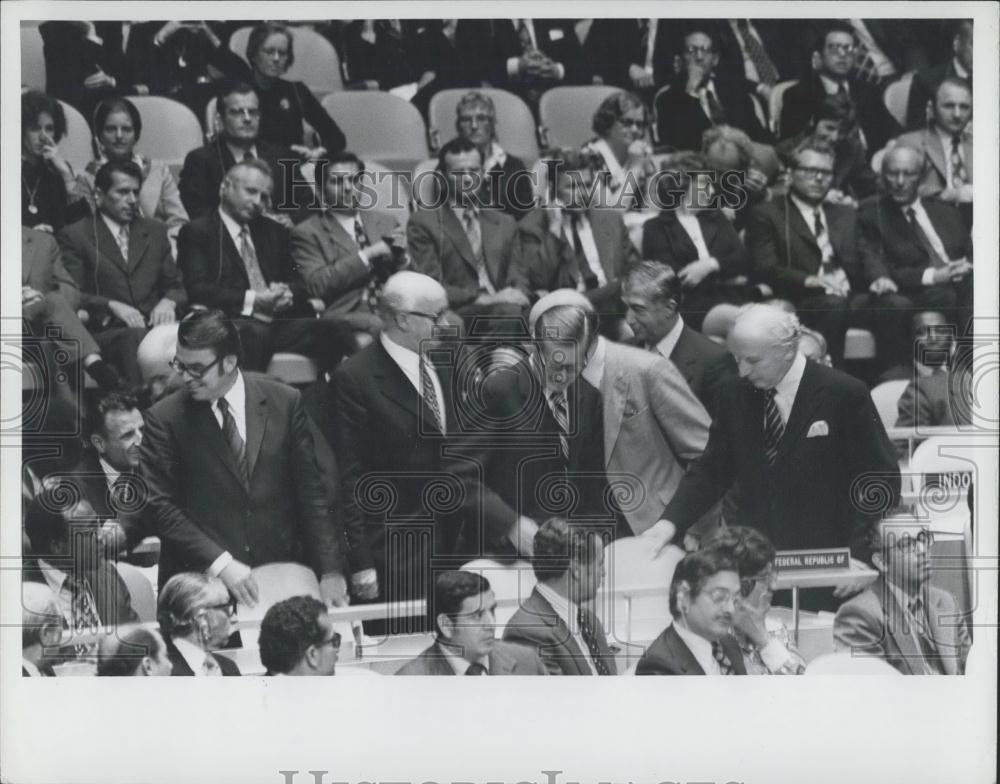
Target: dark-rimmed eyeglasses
[[195, 372], [815, 173], [334, 641], [747, 584], [436, 318], [227, 607]]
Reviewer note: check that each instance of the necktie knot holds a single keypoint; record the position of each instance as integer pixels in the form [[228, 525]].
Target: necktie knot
[[719, 654], [476, 669]]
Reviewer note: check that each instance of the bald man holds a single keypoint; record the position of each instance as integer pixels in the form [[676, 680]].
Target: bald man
[[804, 441], [394, 413]]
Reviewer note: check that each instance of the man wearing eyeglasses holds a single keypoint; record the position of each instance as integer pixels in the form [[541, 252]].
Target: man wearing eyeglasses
[[833, 62], [232, 471], [901, 617], [195, 613], [297, 638]]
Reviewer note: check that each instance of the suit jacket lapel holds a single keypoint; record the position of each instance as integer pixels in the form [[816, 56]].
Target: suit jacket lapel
[[681, 654], [395, 385], [138, 241], [614, 391], [107, 244], [542, 611], [256, 408], [453, 228], [936, 154], [206, 423], [897, 624], [492, 252], [799, 225], [808, 396], [338, 235]]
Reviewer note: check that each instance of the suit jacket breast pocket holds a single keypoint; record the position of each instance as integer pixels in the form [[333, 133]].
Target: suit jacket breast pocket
[[633, 414]]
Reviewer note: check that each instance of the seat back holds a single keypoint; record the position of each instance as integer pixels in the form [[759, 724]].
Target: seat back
[[140, 591], [392, 194], [32, 56], [380, 127], [566, 114], [511, 584], [897, 96], [774, 103], [316, 61], [170, 130], [886, 398], [275, 582], [515, 127], [76, 146]]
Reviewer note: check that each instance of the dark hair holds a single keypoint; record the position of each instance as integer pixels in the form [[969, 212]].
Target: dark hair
[[106, 404], [122, 653], [103, 178], [613, 108], [46, 519], [559, 543], [209, 329], [109, 106], [656, 277], [749, 548], [288, 629], [695, 569], [953, 81], [810, 144], [264, 31], [452, 588], [232, 87], [699, 28], [833, 107], [456, 146], [34, 103], [834, 26], [322, 164]]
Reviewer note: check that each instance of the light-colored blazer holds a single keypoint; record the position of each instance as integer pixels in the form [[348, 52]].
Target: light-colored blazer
[[936, 174], [653, 426]]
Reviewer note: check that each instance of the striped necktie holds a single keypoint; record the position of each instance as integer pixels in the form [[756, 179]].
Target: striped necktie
[[560, 410], [725, 665], [774, 428], [249, 255], [958, 178], [766, 72], [590, 637], [429, 394], [232, 435], [922, 238], [122, 240]]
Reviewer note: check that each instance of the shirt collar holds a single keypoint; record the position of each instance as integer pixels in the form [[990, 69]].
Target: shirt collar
[[700, 647], [959, 68], [668, 342], [593, 372], [497, 157], [113, 226], [236, 397], [55, 578], [401, 355], [614, 168], [238, 153], [111, 473], [945, 137], [789, 384], [191, 653], [459, 663], [564, 608], [832, 86], [807, 210], [231, 225]]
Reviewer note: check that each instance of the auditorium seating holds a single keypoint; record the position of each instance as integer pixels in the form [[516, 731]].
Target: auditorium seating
[[886, 397], [32, 57], [515, 127], [774, 104], [140, 591], [169, 129], [566, 114], [896, 97], [293, 369], [511, 584], [316, 61], [381, 127], [76, 146]]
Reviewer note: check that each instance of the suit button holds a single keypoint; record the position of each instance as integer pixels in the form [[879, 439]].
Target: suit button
[[247, 548]]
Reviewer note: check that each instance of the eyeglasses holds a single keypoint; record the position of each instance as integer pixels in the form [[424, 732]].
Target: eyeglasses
[[333, 641], [437, 319], [466, 119], [228, 607], [907, 543], [841, 48], [721, 596], [251, 113], [811, 171], [195, 372], [630, 122], [699, 50]]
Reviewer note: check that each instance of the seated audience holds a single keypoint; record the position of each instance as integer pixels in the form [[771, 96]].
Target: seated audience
[[124, 267], [939, 392], [195, 613], [42, 628], [474, 253], [699, 98], [652, 292], [444, 57], [703, 595], [901, 618], [50, 196], [727, 149], [622, 146], [84, 62], [297, 638], [133, 650], [558, 618], [377, 53], [463, 609], [925, 82], [764, 641], [117, 126], [692, 235]]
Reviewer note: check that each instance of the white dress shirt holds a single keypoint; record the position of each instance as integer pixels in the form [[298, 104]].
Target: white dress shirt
[[567, 612], [593, 373], [238, 154], [115, 227], [459, 663], [668, 342], [700, 648], [409, 362], [236, 397], [786, 389], [924, 221], [110, 473], [235, 231], [587, 243], [192, 654], [832, 86], [689, 222], [349, 222]]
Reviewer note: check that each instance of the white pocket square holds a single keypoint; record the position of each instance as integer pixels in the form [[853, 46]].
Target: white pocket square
[[555, 34], [820, 428]]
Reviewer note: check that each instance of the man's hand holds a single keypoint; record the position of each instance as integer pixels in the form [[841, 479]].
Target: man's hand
[[280, 218], [691, 543], [30, 296], [97, 80], [308, 153], [756, 180], [265, 302], [377, 250], [425, 79], [333, 589], [849, 589], [961, 194], [522, 536], [240, 582], [883, 285], [640, 76], [550, 70], [695, 272], [814, 282], [165, 312], [697, 77], [127, 314], [286, 298], [659, 536], [959, 268], [513, 296], [364, 585]]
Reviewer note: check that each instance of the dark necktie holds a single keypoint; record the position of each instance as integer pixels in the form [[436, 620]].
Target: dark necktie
[[766, 72], [922, 238], [587, 276], [476, 669], [210, 666], [774, 428], [85, 616], [524, 36], [560, 411], [247, 156], [236, 444], [958, 178], [254, 276], [589, 637], [715, 111], [725, 665], [928, 649], [429, 394]]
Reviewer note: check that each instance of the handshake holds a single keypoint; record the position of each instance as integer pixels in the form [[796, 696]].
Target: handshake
[[387, 256]]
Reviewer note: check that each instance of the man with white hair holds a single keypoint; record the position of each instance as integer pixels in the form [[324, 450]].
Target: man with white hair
[[41, 630], [804, 441]]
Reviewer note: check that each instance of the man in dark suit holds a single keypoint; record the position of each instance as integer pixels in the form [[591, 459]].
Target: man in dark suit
[[124, 267], [703, 592], [297, 638], [925, 82], [231, 470], [804, 442], [630, 53], [474, 253], [195, 614], [901, 618], [84, 62], [394, 411], [557, 619], [238, 260], [464, 610], [700, 99], [919, 252], [834, 60], [652, 293], [238, 118]]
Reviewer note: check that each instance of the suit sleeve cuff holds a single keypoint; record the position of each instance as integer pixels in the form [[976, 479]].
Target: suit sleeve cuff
[[927, 279], [561, 70], [248, 300], [220, 563]]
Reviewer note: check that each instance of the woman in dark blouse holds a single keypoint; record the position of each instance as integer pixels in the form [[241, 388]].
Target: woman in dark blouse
[[50, 198], [284, 104]]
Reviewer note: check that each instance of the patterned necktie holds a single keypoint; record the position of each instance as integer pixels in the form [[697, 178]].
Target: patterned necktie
[[715, 111], [589, 637], [932, 661], [476, 669], [560, 410], [774, 428], [430, 395], [725, 665], [524, 36], [957, 164], [232, 435], [932, 255], [823, 242], [587, 279], [210, 666], [249, 256], [85, 616], [766, 72], [370, 295], [122, 240]]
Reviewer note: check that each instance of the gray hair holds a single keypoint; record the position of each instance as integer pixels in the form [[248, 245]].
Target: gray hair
[[784, 327]]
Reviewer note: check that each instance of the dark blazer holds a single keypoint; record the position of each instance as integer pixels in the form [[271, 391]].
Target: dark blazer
[[888, 246], [556, 38], [440, 248], [784, 250], [515, 191], [704, 364], [664, 239], [393, 471], [70, 57], [536, 624], [93, 258], [813, 496], [214, 272], [384, 60], [177, 65], [613, 45], [803, 99], [205, 167], [50, 197], [669, 655], [505, 659], [680, 120], [201, 505], [227, 665], [114, 603]]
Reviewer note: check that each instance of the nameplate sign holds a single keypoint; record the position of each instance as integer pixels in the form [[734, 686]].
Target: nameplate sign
[[836, 558]]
